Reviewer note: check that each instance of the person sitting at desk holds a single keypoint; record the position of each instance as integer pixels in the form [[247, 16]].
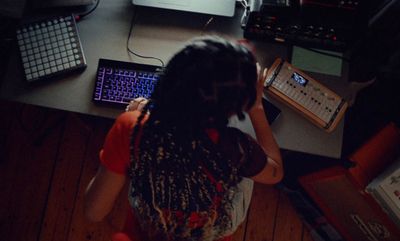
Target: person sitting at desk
[[191, 176]]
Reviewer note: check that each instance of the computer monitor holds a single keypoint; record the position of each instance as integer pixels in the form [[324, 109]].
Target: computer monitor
[[214, 7]]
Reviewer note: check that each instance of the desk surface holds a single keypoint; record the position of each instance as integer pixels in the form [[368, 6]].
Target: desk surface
[[161, 33]]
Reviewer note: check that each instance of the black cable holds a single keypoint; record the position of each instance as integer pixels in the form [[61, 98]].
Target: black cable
[[129, 37], [89, 12]]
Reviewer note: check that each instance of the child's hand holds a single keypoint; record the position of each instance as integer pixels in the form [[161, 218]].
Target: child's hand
[[262, 74], [136, 104]]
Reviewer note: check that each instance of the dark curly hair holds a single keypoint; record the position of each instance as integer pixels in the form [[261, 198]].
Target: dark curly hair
[[177, 172], [209, 78]]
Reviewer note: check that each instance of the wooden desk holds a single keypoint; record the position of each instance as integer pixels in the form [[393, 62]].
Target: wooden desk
[[161, 33]]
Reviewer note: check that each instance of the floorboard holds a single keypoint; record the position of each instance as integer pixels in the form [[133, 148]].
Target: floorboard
[[80, 228], [65, 181], [240, 233], [288, 226], [262, 213], [48, 157], [26, 174], [306, 236]]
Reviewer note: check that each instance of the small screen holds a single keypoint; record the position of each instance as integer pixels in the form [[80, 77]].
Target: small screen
[[299, 79]]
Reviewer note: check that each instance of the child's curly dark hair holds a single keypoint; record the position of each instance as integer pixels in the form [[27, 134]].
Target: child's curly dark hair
[[177, 172]]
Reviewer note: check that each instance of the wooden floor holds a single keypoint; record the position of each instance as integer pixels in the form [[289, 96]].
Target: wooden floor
[[47, 158]]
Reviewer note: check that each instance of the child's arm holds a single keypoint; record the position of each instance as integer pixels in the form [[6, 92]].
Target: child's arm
[[101, 193], [104, 188], [273, 170]]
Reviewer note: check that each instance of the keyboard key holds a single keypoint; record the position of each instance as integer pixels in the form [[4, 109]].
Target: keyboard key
[[118, 83]]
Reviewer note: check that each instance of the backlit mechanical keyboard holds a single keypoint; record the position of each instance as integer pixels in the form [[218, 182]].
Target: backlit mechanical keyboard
[[119, 82]]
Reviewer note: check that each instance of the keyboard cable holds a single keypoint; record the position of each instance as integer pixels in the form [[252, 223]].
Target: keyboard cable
[[129, 37]]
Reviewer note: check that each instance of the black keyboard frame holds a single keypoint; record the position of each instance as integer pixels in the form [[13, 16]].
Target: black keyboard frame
[[115, 64]]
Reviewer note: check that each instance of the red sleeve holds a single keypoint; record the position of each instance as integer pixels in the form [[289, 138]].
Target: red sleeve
[[115, 154]]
